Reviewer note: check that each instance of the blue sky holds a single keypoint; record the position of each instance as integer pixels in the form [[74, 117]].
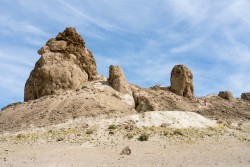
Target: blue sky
[[146, 38]]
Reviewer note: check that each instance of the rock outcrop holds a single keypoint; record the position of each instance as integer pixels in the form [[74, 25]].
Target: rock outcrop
[[182, 81], [118, 80], [226, 95], [143, 102], [245, 96], [65, 63]]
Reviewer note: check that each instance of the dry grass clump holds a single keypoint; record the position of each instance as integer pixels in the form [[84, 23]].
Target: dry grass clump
[[112, 126], [90, 131], [144, 137]]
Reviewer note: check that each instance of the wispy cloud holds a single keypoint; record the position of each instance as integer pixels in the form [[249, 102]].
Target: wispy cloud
[[20, 27], [100, 23], [189, 46]]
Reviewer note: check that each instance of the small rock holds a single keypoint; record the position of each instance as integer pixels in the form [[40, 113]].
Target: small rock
[[164, 125], [126, 151]]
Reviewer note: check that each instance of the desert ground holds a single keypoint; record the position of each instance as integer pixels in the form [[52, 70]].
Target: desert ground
[[150, 153], [99, 142]]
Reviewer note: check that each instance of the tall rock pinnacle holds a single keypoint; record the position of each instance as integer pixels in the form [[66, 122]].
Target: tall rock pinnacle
[[182, 81], [65, 63], [118, 80]]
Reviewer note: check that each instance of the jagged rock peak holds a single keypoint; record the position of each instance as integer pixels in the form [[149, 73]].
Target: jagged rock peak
[[68, 41], [182, 81], [65, 64], [118, 80]]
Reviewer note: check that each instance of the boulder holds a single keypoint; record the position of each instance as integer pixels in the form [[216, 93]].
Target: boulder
[[65, 64], [245, 96], [182, 81], [226, 95], [118, 80], [126, 151]]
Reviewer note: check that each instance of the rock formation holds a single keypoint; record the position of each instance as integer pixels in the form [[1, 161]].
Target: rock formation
[[226, 95], [182, 81], [65, 63], [245, 96], [143, 102], [117, 80]]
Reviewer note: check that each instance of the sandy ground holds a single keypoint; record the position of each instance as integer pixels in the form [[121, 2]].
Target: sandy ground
[[150, 153], [175, 138]]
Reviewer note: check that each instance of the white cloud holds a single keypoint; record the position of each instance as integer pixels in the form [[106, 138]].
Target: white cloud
[[100, 23], [189, 46], [193, 12], [20, 27]]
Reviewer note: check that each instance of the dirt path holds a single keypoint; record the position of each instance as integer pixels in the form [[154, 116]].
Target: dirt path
[[155, 152]]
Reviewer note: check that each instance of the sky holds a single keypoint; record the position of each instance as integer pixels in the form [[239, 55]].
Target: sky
[[145, 38]]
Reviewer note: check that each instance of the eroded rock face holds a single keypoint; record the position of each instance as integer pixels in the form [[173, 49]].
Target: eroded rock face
[[143, 102], [245, 96], [182, 81], [226, 95], [117, 80], [65, 63]]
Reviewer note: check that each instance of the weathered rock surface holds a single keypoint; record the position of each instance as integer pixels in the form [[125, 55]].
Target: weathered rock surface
[[182, 81], [226, 95], [143, 102], [65, 64], [160, 99], [245, 96], [118, 80], [98, 98]]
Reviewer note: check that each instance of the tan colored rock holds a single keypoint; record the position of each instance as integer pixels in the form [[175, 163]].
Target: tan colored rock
[[144, 102], [126, 151], [182, 81], [160, 99], [118, 80], [65, 64], [245, 96], [226, 95]]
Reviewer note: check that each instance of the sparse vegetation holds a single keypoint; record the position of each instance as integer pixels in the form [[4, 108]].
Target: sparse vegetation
[[60, 138], [143, 137], [112, 126], [90, 131], [20, 136], [129, 135], [178, 132]]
